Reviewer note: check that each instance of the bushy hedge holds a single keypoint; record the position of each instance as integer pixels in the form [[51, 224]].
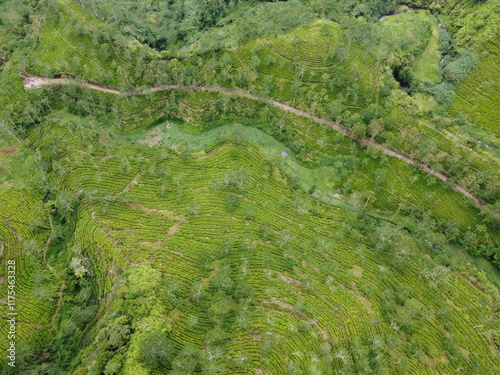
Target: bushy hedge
[[458, 69], [157, 351], [444, 93]]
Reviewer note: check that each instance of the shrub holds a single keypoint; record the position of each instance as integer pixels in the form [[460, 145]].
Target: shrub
[[457, 70], [303, 326], [444, 40], [157, 351], [444, 93], [232, 202]]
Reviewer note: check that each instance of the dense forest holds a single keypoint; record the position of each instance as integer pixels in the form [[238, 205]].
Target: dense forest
[[249, 187]]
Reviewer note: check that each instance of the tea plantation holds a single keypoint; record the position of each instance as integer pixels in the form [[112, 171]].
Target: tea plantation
[[298, 187]]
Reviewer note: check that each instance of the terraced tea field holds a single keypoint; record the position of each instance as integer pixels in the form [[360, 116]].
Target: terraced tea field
[[240, 253], [478, 94], [228, 195], [34, 285]]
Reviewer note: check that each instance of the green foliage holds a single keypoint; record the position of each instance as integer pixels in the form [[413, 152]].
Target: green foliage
[[473, 25], [232, 202], [458, 69], [14, 16], [157, 351], [444, 41], [444, 93], [270, 18], [372, 9], [193, 244], [168, 23]]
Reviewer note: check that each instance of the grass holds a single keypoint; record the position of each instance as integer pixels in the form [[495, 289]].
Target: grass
[[426, 102], [426, 67]]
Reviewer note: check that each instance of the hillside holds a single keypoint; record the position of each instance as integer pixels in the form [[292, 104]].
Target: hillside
[[242, 187], [475, 24]]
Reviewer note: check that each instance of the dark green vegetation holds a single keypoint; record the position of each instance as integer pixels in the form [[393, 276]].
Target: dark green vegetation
[[285, 188]]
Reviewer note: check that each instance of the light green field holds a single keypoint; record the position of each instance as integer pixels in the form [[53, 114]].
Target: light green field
[[426, 66]]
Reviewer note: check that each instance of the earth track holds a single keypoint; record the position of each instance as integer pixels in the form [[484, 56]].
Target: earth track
[[42, 81]]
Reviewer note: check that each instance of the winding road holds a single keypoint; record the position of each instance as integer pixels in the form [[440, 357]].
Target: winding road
[[35, 81]]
